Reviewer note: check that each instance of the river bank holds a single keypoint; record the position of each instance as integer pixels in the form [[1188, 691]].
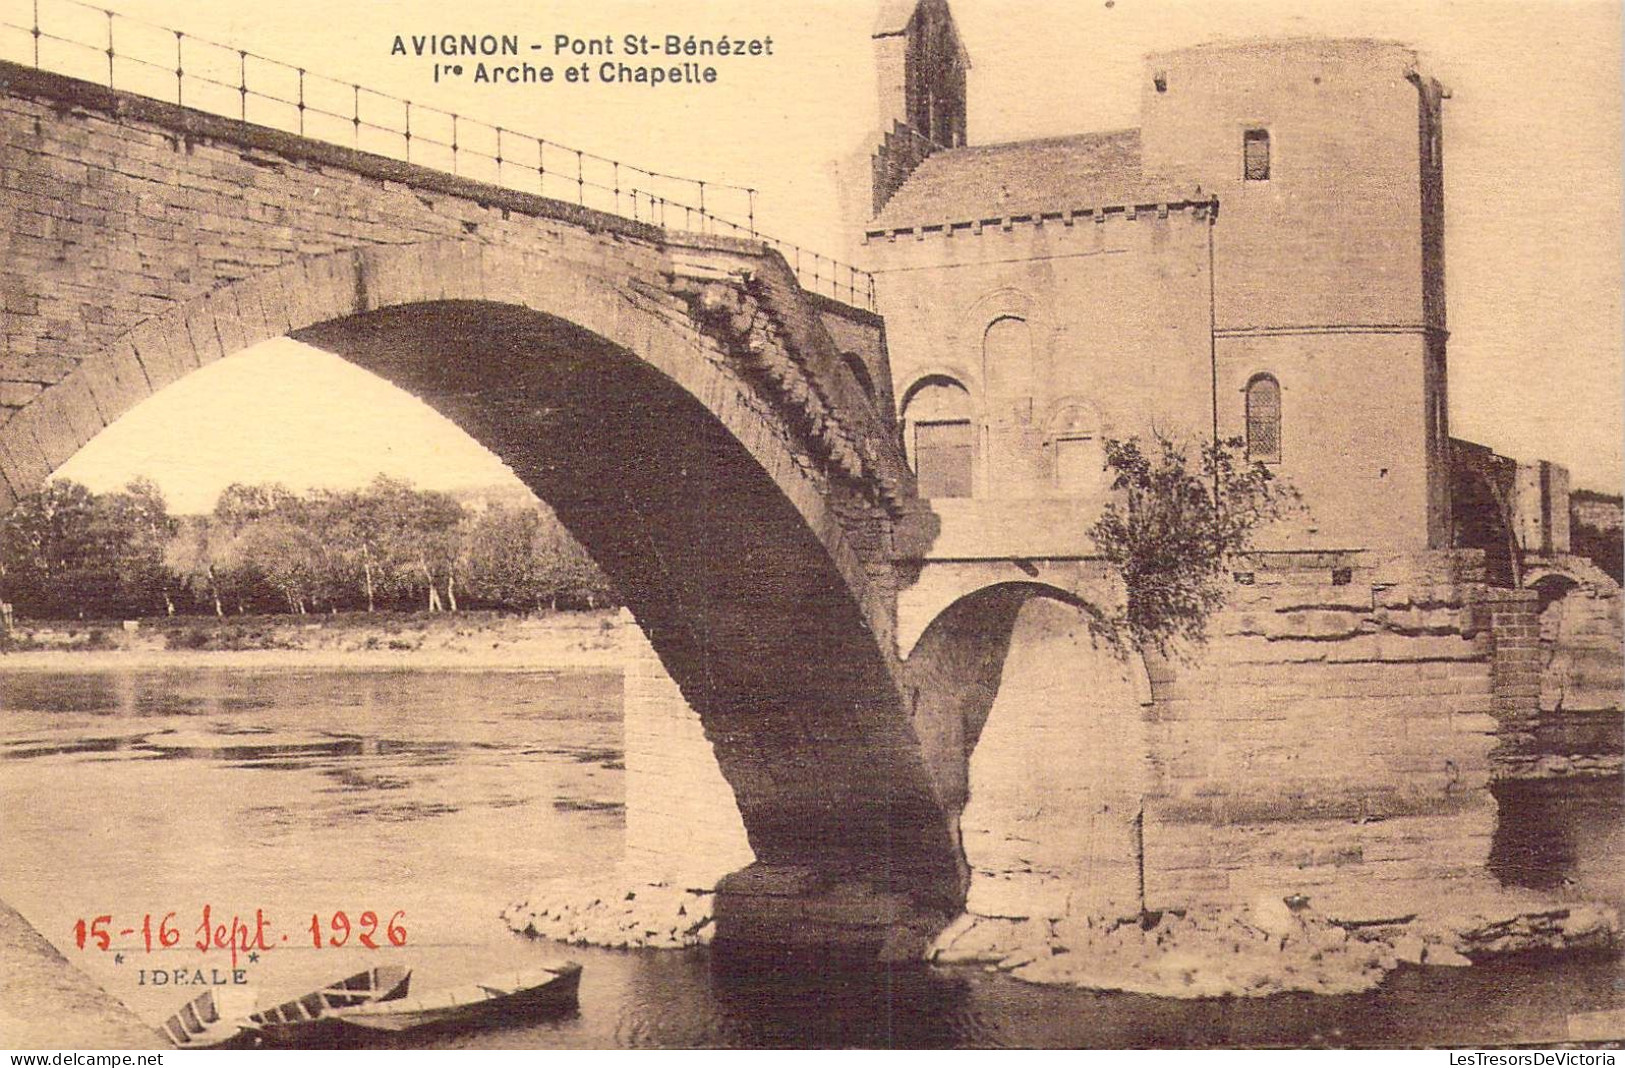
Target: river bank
[[355, 641], [47, 1003]]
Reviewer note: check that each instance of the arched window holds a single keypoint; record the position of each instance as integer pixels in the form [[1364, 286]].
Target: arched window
[[1079, 449], [1007, 368], [940, 436], [1264, 420]]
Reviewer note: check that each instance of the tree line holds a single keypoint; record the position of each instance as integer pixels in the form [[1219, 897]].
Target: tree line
[[67, 552]]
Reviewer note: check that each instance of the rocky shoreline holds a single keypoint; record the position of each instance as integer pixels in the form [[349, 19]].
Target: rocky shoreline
[[616, 914], [1268, 947]]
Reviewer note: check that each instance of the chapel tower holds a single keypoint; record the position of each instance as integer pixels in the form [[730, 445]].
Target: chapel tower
[[1329, 310]]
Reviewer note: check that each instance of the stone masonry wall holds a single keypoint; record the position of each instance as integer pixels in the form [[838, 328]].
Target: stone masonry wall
[[1334, 739]]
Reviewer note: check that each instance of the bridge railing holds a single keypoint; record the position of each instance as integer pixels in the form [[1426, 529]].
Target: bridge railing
[[97, 44]]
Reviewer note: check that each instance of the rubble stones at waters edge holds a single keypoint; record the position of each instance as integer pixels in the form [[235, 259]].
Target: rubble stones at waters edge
[[1201, 953], [1255, 951], [617, 916], [1252, 952]]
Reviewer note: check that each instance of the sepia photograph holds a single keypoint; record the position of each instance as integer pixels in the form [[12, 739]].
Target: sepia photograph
[[848, 524]]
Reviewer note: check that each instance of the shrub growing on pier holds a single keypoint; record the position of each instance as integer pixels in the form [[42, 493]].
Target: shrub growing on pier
[[1171, 526]]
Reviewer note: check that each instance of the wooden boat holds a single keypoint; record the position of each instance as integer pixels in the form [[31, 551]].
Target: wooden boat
[[213, 1018], [506, 998], [370, 987]]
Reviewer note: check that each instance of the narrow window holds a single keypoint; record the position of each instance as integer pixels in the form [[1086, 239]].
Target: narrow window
[[940, 436], [1256, 152], [1264, 420]]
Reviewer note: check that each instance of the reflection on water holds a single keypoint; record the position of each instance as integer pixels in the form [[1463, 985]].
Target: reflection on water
[[1565, 835], [441, 795]]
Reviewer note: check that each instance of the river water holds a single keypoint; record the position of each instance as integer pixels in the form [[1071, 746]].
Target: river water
[[435, 797]]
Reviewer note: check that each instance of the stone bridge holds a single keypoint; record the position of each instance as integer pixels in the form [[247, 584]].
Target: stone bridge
[[904, 716], [708, 430]]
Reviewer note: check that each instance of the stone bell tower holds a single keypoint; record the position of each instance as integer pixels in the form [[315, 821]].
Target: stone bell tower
[[920, 66]]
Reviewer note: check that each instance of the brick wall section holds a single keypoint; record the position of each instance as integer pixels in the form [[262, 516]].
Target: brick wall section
[[1334, 739], [1514, 623]]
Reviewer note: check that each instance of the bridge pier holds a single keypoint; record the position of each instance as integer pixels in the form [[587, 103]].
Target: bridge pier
[[683, 829], [682, 823], [794, 913]]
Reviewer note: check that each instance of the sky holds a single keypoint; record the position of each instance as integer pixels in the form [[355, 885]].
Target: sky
[[1533, 189]]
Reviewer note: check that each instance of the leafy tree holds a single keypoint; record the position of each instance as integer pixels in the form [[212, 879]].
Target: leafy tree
[[286, 555], [416, 532], [1171, 526], [66, 551], [523, 557], [196, 555], [575, 576], [499, 557], [132, 528], [50, 551], [355, 531], [433, 526]]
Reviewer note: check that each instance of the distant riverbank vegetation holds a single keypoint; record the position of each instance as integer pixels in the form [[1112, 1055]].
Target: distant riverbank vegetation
[[69, 553]]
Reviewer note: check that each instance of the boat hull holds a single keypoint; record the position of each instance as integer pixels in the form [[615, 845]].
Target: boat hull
[[482, 1004], [370, 987], [211, 1020]]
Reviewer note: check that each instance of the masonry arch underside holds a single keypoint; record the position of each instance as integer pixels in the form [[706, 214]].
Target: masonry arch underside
[[721, 549], [1037, 730]]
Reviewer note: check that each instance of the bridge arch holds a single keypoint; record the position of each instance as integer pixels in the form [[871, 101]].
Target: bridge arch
[[610, 400], [1036, 730]]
